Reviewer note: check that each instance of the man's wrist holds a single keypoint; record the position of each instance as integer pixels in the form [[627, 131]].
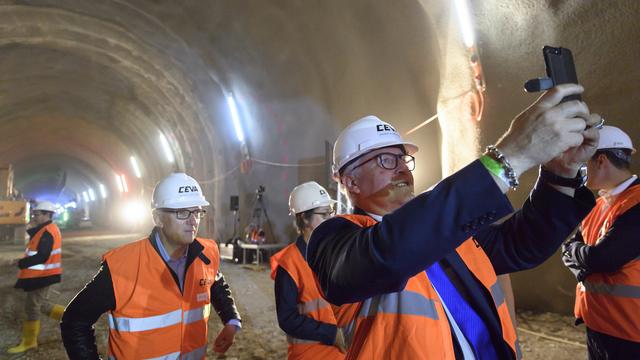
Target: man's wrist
[[574, 180]]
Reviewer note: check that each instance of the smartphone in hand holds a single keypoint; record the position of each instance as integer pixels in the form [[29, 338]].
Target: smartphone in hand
[[560, 68]]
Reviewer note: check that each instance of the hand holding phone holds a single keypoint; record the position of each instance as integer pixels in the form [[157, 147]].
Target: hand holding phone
[[560, 70]]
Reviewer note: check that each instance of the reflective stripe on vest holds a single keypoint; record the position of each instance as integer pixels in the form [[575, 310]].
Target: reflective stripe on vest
[[628, 291], [31, 253], [158, 321], [404, 302], [497, 294], [196, 354], [312, 305], [44, 267]]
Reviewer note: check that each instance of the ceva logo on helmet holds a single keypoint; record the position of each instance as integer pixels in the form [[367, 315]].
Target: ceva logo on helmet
[[186, 189]]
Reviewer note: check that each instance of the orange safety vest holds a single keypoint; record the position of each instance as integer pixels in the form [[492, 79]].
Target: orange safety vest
[[310, 303], [152, 318], [53, 265], [412, 323], [610, 302]]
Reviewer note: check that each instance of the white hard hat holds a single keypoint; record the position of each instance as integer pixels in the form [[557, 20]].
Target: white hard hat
[[364, 135], [613, 138], [178, 191], [45, 206], [307, 196]]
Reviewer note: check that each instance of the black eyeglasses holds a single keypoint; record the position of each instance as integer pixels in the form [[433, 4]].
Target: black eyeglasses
[[184, 214], [390, 161], [326, 214]]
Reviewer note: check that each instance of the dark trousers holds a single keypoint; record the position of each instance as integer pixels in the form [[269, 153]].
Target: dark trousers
[[602, 346]]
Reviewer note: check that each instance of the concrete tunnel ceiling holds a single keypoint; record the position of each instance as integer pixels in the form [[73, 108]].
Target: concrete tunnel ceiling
[[86, 84], [98, 81]]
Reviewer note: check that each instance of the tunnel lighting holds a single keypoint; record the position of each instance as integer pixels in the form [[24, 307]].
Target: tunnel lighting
[[119, 183], [103, 191], [465, 22], [85, 196], [136, 168], [123, 182], [235, 117], [71, 204], [167, 149], [92, 195], [133, 212]]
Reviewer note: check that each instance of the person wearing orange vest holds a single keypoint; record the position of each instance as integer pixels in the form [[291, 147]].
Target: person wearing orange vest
[[40, 268], [414, 276], [158, 291], [604, 254], [303, 314]]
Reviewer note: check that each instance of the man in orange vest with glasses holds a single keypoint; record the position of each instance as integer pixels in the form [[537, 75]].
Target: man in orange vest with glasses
[[158, 291], [40, 268], [605, 254], [415, 275], [302, 312]]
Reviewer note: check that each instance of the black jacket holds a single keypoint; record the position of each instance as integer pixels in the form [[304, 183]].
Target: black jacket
[[98, 297]]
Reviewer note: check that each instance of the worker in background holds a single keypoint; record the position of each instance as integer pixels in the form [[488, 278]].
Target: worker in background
[[158, 290], [40, 268], [302, 312], [416, 274], [604, 254]]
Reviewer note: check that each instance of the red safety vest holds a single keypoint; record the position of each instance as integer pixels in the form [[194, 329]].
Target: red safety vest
[[610, 302], [310, 303], [53, 265], [412, 323], [152, 318]]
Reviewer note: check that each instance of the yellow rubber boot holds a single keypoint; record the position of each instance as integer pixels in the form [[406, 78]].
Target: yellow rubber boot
[[30, 332], [56, 312]]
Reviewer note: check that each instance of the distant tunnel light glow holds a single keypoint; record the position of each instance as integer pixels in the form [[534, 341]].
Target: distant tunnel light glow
[[119, 183], [465, 22], [123, 182], [103, 191], [92, 195], [133, 212], [233, 108], [136, 168], [85, 196], [166, 148]]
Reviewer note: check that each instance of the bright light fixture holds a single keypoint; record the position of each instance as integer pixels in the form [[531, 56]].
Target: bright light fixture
[[119, 183], [123, 182], [233, 108], [85, 196], [103, 191], [465, 22], [92, 195], [167, 149], [136, 168]]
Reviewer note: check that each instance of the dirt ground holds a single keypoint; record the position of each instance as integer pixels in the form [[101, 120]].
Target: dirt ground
[[542, 336]]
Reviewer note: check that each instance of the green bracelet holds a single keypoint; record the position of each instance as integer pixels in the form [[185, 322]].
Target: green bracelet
[[494, 168]]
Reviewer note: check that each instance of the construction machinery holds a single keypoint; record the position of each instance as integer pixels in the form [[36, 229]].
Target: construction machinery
[[14, 211]]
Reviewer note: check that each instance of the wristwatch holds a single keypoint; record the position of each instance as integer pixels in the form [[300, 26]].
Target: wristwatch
[[551, 178]]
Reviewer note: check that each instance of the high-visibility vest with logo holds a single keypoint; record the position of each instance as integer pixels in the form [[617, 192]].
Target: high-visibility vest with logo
[[412, 323], [152, 318], [310, 303], [53, 265], [610, 302]]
